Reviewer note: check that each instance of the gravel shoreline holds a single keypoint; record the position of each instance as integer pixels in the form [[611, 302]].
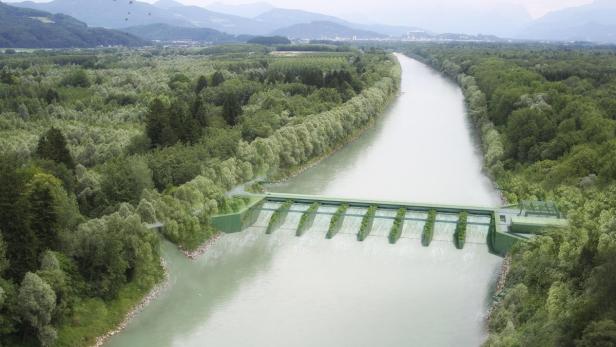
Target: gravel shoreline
[[153, 294], [193, 255], [500, 285]]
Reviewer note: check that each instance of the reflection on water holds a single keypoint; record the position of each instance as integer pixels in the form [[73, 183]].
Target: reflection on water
[[252, 289]]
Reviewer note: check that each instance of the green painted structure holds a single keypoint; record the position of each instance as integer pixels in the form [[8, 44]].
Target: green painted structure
[[508, 225], [240, 220]]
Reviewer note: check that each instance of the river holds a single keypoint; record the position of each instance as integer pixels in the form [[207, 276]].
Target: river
[[252, 289]]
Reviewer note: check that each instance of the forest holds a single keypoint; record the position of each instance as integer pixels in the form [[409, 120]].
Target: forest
[[546, 115], [97, 146]]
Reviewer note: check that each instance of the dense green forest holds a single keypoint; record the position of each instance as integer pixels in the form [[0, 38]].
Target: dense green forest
[[547, 119], [98, 146]]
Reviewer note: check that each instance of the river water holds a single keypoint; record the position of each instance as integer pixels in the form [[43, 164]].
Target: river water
[[252, 289]]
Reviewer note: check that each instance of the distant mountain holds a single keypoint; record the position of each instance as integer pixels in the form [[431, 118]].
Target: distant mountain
[[250, 10], [492, 17], [281, 18], [28, 28], [235, 20], [201, 17], [108, 13], [167, 4], [391, 30], [595, 22], [168, 33], [325, 30]]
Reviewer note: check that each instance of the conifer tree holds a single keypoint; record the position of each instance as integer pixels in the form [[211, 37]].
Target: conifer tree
[[52, 146], [217, 79], [231, 109], [201, 84], [43, 212]]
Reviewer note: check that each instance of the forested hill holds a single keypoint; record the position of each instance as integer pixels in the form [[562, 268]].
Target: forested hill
[[321, 29], [165, 32], [27, 28]]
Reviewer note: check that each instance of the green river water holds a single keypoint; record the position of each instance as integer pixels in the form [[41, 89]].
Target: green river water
[[252, 289]]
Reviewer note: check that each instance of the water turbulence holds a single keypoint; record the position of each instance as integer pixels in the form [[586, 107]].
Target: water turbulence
[[383, 222], [278, 289]]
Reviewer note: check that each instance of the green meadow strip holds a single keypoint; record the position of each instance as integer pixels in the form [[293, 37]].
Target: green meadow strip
[[307, 219], [279, 216], [336, 222], [459, 236], [396, 228], [366, 223], [428, 230]]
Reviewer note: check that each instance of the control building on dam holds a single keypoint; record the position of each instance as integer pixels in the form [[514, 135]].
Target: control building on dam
[[498, 228]]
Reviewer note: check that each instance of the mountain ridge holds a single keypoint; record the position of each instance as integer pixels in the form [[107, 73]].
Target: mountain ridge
[[168, 33], [325, 30], [29, 28], [593, 22]]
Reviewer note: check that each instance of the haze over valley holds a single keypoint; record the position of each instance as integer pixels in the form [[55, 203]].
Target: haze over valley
[[582, 21]]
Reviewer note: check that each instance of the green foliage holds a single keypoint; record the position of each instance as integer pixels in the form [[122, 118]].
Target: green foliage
[[366, 223], [428, 229], [269, 40], [76, 78], [233, 204], [114, 250], [36, 304], [124, 179], [598, 334], [168, 124], [231, 109], [307, 219], [44, 216], [459, 236], [547, 126], [142, 124], [335, 223], [217, 79], [397, 226], [201, 84], [4, 262], [278, 217], [52, 146], [93, 317], [15, 219]]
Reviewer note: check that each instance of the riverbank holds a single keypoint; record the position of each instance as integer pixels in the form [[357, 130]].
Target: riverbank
[[152, 294], [500, 286], [199, 251], [155, 291], [288, 173]]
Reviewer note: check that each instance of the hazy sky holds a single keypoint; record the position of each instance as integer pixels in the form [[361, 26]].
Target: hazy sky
[[365, 9], [536, 8]]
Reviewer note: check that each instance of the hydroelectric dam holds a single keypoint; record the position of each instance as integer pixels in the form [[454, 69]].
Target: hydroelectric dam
[[498, 228]]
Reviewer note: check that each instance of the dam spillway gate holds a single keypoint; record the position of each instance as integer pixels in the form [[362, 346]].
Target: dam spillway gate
[[498, 228]]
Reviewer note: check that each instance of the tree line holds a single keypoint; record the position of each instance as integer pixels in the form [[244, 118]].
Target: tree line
[[547, 120], [102, 150]]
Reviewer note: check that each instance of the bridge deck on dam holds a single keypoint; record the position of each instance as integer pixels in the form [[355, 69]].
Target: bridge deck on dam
[[499, 228]]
